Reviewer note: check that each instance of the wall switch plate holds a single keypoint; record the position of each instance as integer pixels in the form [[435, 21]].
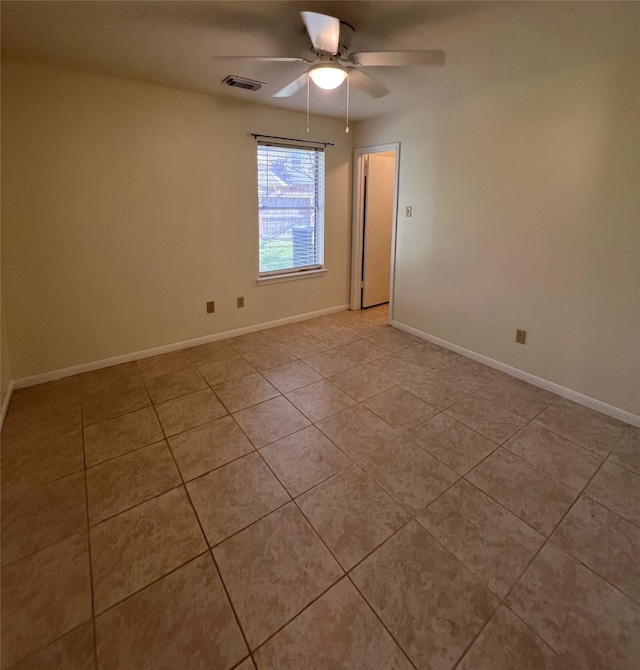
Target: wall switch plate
[[211, 307], [408, 211], [521, 336], [240, 302]]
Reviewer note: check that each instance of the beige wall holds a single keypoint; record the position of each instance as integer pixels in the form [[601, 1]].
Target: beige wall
[[127, 206], [526, 215]]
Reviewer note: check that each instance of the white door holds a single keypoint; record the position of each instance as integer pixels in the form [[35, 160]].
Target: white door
[[378, 224]]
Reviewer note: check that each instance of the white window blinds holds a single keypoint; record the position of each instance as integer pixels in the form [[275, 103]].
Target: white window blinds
[[290, 208]]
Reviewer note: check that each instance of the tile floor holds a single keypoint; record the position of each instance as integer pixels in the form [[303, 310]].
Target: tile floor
[[327, 494]]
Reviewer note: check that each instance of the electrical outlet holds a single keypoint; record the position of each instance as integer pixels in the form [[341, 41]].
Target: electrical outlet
[[521, 336], [211, 307], [408, 211], [240, 302]]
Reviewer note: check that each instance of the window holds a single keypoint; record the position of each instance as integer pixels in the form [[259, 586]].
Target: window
[[290, 209]]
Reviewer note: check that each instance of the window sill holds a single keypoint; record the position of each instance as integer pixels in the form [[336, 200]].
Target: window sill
[[291, 276]]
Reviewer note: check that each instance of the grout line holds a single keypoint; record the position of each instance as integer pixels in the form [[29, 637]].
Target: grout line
[[204, 536], [89, 554], [377, 616], [155, 581]]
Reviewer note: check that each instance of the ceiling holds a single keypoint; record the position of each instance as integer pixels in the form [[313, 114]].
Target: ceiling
[[174, 43]]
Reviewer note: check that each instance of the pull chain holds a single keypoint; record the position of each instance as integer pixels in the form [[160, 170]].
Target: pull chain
[[346, 130], [308, 79]]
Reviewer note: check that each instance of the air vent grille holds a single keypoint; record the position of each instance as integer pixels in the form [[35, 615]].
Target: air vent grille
[[241, 82]]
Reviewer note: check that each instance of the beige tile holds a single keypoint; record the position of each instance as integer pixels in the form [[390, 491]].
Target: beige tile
[[271, 420], [247, 664], [291, 376], [396, 369], [627, 453], [182, 621], [337, 337], [241, 393], [352, 514], [506, 643], [410, 475], [433, 607], [434, 390], [305, 346], [48, 396], [357, 431], [43, 516], [268, 356], [618, 489], [469, 374], [576, 612], [303, 459], [400, 409], [221, 370], [103, 406], [565, 461], [528, 492], [112, 376], [121, 483], [592, 430], [73, 651], [338, 630], [517, 396], [137, 547], [204, 353], [234, 496], [604, 542], [43, 412], [361, 383], [111, 392], [452, 442], [287, 332], [209, 446], [120, 435], [393, 339], [273, 570], [163, 364], [174, 384], [44, 596], [244, 343], [494, 422], [426, 356], [330, 362], [490, 541], [26, 466], [189, 411], [362, 351], [319, 400]]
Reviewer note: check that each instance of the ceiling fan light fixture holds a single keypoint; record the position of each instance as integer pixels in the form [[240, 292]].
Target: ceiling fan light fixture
[[327, 76]]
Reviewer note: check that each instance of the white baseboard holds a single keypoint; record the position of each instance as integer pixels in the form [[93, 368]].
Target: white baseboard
[[167, 348], [579, 398], [6, 401]]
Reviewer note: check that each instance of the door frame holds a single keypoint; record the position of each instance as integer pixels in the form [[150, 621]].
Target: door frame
[[357, 227]]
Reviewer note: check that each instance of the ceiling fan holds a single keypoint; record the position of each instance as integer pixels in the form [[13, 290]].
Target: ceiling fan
[[332, 62]]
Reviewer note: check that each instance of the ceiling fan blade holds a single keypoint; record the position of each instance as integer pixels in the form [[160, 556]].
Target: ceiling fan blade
[[366, 83], [398, 58], [292, 87], [324, 31], [269, 59]]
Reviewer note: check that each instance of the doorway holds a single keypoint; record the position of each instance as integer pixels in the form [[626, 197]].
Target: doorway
[[374, 226]]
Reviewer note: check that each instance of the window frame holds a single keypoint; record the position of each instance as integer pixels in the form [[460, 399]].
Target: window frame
[[317, 269]]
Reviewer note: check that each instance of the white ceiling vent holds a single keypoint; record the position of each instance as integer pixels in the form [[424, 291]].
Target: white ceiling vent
[[241, 82]]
